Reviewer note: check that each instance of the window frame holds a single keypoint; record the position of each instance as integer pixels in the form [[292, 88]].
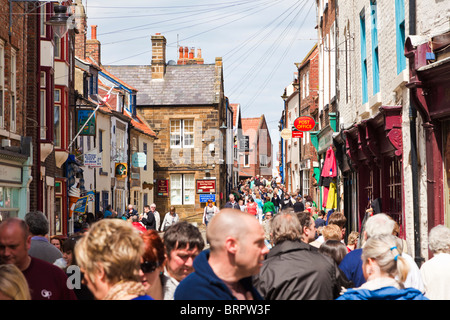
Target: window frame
[[178, 182], [13, 91], [180, 134]]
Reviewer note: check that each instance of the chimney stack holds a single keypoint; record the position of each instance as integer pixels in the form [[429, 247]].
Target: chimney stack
[[158, 56], [80, 38], [93, 46], [199, 58]]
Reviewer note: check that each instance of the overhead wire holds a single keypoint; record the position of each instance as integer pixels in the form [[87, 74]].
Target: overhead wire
[[196, 13], [260, 64], [213, 18], [276, 66], [242, 58], [205, 31]]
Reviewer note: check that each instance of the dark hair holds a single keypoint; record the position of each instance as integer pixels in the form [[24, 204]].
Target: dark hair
[[334, 249], [338, 218], [37, 223], [69, 246], [305, 219], [183, 234], [90, 219]]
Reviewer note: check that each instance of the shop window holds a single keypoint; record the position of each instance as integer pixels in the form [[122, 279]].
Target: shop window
[[394, 189], [9, 202]]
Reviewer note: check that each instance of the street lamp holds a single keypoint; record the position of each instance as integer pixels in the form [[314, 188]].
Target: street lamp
[[58, 20]]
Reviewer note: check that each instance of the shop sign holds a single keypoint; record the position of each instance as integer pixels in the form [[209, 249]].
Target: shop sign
[[139, 159], [205, 197], [10, 173], [88, 127], [206, 186], [163, 188], [304, 123]]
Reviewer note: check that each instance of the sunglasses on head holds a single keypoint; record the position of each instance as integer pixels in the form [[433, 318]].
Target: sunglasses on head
[[149, 266]]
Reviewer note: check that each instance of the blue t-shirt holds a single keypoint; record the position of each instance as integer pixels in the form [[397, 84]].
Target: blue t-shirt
[[351, 265]]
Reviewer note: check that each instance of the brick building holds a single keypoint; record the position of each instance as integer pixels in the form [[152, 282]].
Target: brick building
[[256, 148], [308, 79], [184, 104], [16, 145]]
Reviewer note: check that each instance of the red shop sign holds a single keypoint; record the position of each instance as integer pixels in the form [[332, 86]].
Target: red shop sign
[[304, 123], [206, 186]]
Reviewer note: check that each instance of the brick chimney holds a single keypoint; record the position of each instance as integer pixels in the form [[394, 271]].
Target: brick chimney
[[80, 37], [158, 56], [93, 46], [199, 58]]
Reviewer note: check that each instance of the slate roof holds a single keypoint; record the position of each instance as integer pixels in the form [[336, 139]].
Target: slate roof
[[182, 84]]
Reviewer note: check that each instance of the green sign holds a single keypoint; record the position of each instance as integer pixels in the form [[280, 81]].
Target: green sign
[[88, 127]]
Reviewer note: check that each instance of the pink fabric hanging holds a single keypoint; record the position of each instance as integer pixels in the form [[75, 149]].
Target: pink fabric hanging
[[329, 166]]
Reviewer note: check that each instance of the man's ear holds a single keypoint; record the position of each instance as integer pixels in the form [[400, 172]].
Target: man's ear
[[231, 245]]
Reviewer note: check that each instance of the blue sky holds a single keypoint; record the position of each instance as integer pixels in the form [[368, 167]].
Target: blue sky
[[258, 40]]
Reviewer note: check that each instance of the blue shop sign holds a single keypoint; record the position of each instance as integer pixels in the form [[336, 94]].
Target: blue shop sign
[[206, 197]]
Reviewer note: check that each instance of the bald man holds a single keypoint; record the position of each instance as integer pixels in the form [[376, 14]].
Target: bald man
[[224, 271]]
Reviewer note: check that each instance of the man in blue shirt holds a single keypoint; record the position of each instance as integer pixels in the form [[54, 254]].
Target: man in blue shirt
[[224, 272]]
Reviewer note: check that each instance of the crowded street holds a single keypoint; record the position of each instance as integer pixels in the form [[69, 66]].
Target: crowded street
[[230, 157]]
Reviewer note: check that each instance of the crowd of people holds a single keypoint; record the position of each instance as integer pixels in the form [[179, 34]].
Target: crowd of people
[[263, 244]]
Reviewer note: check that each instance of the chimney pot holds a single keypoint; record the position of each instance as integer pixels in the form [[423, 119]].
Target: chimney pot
[[94, 32]]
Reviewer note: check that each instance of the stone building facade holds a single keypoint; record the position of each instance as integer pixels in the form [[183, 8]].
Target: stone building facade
[[184, 104]]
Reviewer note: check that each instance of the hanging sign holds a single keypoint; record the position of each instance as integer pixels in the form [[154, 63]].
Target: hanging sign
[[297, 134], [206, 186], [139, 159], [163, 188], [304, 123], [87, 127]]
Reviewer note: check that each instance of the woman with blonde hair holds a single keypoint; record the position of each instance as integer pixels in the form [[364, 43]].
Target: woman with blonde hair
[[385, 271], [109, 255], [13, 285]]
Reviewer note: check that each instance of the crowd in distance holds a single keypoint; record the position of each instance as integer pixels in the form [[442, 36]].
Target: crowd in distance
[[281, 249]]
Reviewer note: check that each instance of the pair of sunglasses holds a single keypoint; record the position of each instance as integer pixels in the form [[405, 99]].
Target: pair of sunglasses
[[149, 266]]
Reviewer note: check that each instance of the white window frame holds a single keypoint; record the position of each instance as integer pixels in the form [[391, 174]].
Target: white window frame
[[246, 160], [57, 128], [182, 189], [13, 91], [57, 49], [43, 106], [263, 161], [42, 25], [179, 133]]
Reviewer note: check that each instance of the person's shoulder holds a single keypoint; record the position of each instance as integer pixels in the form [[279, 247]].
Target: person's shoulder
[[45, 267]]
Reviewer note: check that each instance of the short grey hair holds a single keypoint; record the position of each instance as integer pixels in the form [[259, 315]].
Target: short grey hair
[[439, 239], [379, 224], [37, 223]]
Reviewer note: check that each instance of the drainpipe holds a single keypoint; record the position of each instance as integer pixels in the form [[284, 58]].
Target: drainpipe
[[414, 163]]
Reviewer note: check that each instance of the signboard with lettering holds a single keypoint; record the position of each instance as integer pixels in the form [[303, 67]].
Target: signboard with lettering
[[304, 123], [206, 186], [93, 160], [205, 197], [163, 188], [297, 134]]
